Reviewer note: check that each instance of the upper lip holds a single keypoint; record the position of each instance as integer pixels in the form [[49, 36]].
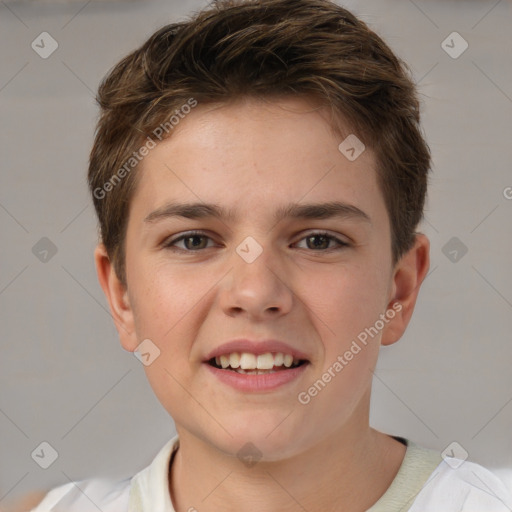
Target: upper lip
[[256, 348]]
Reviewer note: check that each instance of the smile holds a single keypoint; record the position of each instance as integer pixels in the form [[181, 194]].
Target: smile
[[248, 363]]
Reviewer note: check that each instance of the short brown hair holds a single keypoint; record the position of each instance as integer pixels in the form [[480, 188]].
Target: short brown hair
[[265, 49]]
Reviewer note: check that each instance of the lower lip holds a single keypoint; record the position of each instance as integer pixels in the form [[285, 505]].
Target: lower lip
[[262, 382]]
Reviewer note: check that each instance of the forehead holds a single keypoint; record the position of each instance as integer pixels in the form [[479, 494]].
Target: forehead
[[255, 156]]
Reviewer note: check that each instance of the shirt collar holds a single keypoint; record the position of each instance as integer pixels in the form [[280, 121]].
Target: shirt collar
[[149, 490]]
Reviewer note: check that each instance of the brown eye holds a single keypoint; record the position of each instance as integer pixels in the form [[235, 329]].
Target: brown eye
[[322, 242], [191, 242], [318, 242], [195, 242]]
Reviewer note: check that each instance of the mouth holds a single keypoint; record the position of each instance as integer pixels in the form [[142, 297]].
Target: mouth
[[247, 363]]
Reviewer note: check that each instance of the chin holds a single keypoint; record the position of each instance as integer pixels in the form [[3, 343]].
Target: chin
[[259, 441]]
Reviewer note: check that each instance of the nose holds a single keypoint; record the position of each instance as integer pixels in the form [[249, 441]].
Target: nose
[[258, 290]]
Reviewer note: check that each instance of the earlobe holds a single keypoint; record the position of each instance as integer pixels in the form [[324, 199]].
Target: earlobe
[[117, 296], [408, 276]]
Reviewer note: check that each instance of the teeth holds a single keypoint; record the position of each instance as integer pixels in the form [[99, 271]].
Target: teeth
[[265, 361], [248, 361], [255, 372], [234, 360], [288, 360]]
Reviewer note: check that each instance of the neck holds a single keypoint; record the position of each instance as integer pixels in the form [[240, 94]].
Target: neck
[[348, 470]]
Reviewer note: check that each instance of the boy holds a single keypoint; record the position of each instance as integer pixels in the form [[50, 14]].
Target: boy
[[258, 174]]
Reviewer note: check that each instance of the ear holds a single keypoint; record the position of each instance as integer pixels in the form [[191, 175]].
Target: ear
[[409, 273], [117, 296]]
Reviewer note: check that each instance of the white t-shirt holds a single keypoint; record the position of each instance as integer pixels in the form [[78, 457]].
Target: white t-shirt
[[424, 483]]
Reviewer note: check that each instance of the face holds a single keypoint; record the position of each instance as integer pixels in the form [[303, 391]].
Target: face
[[288, 248]]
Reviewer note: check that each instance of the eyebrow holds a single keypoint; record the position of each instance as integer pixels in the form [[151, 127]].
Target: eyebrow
[[294, 211]]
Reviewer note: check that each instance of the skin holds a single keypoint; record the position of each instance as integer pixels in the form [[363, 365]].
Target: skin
[[28, 502], [253, 157]]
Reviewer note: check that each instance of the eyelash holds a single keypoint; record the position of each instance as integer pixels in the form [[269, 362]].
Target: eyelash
[[189, 234]]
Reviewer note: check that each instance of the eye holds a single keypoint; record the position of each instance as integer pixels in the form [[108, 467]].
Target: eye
[[192, 241], [321, 241]]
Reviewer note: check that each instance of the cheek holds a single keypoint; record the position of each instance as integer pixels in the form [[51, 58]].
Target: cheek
[[345, 304], [164, 297], [345, 300], [169, 301]]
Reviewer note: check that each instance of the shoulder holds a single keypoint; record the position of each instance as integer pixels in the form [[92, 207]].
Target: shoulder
[[462, 486], [87, 495], [27, 502], [109, 495]]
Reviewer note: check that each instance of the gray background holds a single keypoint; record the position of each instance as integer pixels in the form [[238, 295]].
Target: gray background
[[65, 378]]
